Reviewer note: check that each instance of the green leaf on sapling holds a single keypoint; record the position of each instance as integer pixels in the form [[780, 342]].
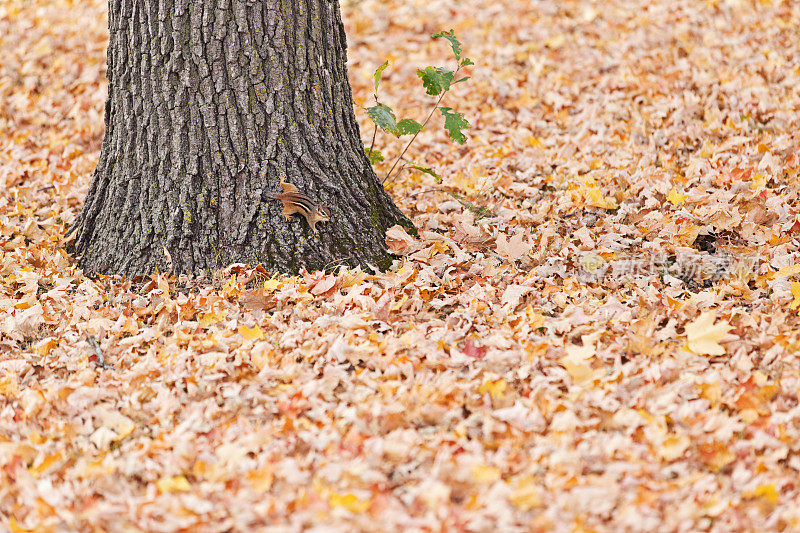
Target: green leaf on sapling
[[455, 44], [436, 79], [408, 126], [383, 116], [379, 73], [454, 123], [375, 156]]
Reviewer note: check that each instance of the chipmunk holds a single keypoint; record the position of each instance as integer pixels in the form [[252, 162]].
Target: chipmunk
[[296, 202]]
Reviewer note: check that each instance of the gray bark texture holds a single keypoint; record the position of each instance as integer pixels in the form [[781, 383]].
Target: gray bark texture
[[211, 103]]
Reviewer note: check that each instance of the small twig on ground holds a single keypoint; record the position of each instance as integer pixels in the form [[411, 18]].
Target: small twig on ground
[[479, 210], [99, 360]]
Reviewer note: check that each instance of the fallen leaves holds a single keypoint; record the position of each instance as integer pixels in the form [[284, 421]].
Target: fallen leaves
[[595, 328]]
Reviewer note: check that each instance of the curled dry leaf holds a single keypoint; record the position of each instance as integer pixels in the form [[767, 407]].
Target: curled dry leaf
[[397, 240]]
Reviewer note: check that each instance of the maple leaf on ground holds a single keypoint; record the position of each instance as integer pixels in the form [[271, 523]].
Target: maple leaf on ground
[[676, 198], [513, 248], [703, 334]]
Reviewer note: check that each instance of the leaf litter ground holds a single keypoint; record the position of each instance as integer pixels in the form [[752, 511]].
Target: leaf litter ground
[[610, 345]]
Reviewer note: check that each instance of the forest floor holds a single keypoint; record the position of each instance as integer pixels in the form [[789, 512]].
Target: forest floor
[[614, 347]]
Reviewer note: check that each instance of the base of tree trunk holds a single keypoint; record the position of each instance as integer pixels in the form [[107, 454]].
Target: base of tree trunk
[[211, 106]]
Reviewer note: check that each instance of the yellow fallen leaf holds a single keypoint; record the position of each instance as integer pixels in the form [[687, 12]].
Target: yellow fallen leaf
[[495, 388], [251, 334], [768, 392], [676, 198], [716, 455], [468, 184], [173, 484], [673, 447], [232, 288], [556, 42], [595, 197], [704, 335], [759, 183], [9, 386], [533, 141], [535, 320], [44, 347], [579, 371], [14, 527], [785, 272], [46, 463], [711, 391], [212, 317], [526, 494], [349, 501], [766, 492], [748, 416], [272, 284], [348, 280], [796, 293], [485, 473]]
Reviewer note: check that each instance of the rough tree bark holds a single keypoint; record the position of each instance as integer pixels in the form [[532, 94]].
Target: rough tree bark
[[211, 103]]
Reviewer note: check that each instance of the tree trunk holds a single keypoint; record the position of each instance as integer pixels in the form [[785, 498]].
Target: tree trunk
[[211, 104]]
